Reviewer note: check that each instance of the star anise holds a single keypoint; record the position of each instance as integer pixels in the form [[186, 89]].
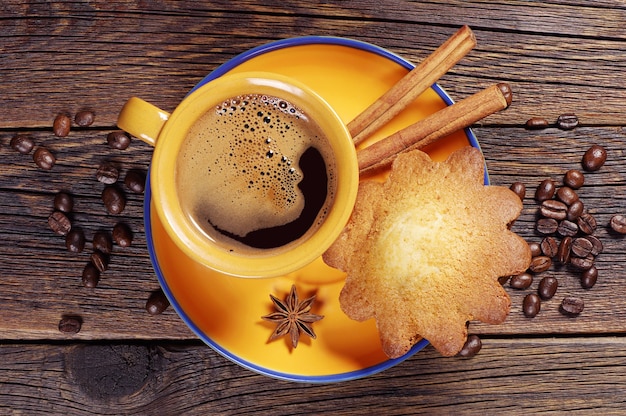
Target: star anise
[[292, 317]]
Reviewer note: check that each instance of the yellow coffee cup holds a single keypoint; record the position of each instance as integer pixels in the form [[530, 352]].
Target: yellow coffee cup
[[229, 156]]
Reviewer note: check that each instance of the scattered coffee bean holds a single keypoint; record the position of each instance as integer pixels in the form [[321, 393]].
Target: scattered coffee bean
[[472, 346], [135, 181], [587, 223], [572, 306], [518, 189], [589, 277], [549, 246], [63, 202], [551, 208], [536, 123], [547, 287], [567, 195], [91, 275], [118, 140], [545, 190], [581, 247], [540, 264], [582, 263], [547, 226], [157, 303], [44, 158], [99, 260], [107, 173], [22, 144], [75, 240], [598, 247], [535, 249], [594, 158], [70, 324], [565, 248], [531, 305], [574, 179], [59, 223], [567, 228], [84, 118], [575, 210], [102, 242], [62, 125], [521, 281], [618, 223], [122, 235], [567, 121], [114, 199]]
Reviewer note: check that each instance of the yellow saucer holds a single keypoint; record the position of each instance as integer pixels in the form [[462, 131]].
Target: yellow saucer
[[225, 312]]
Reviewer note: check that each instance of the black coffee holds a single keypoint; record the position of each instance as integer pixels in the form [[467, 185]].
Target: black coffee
[[256, 173]]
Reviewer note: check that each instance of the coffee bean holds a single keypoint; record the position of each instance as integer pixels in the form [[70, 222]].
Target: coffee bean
[[551, 208], [618, 224], [565, 248], [547, 287], [582, 263], [587, 223], [589, 277], [581, 247], [114, 199], [91, 275], [157, 303], [572, 306], [59, 223], [574, 179], [567, 195], [567, 228], [535, 249], [540, 264], [519, 189], [598, 247], [99, 260], [594, 158], [536, 123], [549, 246], [62, 125], [102, 242], [122, 235], [75, 240], [575, 210], [547, 226], [471, 347], [22, 144], [545, 190], [44, 158], [567, 121], [531, 305], [135, 180], [70, 324], [84, 118], [63, 202], [521, 281], [118, 140], [107, 173]]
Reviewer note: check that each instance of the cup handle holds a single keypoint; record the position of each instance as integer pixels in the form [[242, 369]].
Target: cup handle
[[142, 119]]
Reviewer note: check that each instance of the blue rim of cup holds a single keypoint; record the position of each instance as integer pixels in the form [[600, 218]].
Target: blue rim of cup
[[219, 71]]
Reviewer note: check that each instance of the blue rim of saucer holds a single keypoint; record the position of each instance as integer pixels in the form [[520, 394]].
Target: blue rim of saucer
[[219, 71]]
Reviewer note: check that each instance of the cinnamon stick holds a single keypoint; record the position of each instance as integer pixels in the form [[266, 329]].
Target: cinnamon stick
[[440, 124], [412, 85]]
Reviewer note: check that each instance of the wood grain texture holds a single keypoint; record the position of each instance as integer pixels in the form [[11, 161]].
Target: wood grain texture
[[559, 56], [510, 377]]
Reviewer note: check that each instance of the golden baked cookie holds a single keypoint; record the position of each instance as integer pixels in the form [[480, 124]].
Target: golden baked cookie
[[423, 251]]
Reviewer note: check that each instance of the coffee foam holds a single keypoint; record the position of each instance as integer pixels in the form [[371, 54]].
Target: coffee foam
[[238, 167]]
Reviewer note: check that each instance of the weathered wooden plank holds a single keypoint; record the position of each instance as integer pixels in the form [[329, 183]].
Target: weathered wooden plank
[[505, 376], [62, 60]]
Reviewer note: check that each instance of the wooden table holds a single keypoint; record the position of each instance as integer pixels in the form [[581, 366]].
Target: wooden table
[[62, 57]]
